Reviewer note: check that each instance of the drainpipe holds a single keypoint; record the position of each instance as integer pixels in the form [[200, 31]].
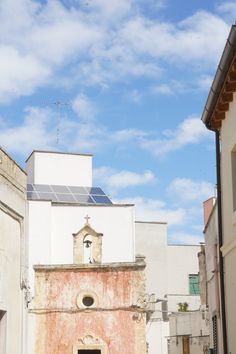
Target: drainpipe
[[220, 232]]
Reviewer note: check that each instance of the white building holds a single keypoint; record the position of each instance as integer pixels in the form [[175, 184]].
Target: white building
[[189, 333], [61, 200], [61, 196], [171, 275], [12, 255]]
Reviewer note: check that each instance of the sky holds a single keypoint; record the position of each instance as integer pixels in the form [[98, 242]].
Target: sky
[[131, 78]]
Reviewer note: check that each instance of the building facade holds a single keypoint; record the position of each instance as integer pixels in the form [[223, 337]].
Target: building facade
[[212, 275], [219, 116], [13, 282], [87, 285], [93, 309], [172, 277], [189, 332], [84, 278]]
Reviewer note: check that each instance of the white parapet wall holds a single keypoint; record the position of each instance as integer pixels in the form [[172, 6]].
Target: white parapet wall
[[66, 169]]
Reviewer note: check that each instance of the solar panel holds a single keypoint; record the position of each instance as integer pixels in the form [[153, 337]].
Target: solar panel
[[42, 187], [65, 197], [32, 195], [60, 189], [47, 196], [67, 194], [30, 187], [101, 199], [85, 199], [78, 190], [95, 190]]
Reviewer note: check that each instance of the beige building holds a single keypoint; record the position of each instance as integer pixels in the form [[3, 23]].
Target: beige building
[[189, 332], [212, 274], [12, 255], [220, 116]]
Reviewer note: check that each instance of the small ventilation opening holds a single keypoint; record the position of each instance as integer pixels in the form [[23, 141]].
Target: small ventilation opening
[[88, 301]]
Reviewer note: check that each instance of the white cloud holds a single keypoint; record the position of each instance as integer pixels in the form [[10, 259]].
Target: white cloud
[[125, 135], [37, 40], [170, 88], [89, 136], [135, 96], [228, 8], [115, 180], [97, 43], [190, 131], [83, 107], [38, 130], [33, 133], [188, 190], [205, 82], [184, 42], [163, 89], [155, 210], [20, 73], [112, 10]]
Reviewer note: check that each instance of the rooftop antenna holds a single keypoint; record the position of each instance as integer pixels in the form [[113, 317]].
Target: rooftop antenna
[[59, 105]]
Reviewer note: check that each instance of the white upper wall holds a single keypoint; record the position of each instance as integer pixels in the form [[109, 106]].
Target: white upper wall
[[182, 261], [59, 168], [51, 227]]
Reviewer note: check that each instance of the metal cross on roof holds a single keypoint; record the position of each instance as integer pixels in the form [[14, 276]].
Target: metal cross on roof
[[87, 219]]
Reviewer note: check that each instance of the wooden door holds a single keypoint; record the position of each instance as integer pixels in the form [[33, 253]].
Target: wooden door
[[186, 348]]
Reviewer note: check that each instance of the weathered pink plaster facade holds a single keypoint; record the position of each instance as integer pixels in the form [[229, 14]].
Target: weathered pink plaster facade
[[114, 324]]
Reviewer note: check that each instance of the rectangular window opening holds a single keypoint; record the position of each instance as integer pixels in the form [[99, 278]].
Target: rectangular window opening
[[194, 288]]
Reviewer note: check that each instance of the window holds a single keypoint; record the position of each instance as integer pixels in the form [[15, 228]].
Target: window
[[214, 328], [194, 288]]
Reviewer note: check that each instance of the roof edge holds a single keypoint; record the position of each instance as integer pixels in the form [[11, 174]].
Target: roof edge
[[56, 152], [14, 161], [226, 60]]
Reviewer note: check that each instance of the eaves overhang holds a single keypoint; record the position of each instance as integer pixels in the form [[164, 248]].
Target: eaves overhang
[[223, 86]]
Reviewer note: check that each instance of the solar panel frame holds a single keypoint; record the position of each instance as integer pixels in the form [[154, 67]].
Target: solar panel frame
[[84, 199], [66, 198], [32, 195], [78, 190], [60, 189], [42, 188], [72, 194], [95, 191], [30, 187], [47, 196], [101, 199]]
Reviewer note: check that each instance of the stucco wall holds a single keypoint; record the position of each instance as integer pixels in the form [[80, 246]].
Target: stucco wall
[[12, 255], [228, 141], [212, 266], [114, 320], [192, 324]]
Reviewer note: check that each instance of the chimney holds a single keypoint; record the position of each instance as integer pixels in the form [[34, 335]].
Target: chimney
[[207, 208]]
